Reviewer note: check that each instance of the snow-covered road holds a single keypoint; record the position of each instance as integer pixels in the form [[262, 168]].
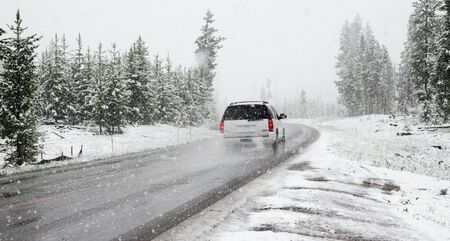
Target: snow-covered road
[[134, 196]]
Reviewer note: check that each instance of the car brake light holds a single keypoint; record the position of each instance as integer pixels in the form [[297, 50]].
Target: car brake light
[[270, 122], [222, 126]]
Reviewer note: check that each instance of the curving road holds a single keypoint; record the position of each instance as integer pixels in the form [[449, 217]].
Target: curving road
[[133, 197]]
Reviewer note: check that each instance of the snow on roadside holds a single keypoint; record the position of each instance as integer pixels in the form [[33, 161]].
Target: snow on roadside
[[399, 143], [59, 140], [326, 195]]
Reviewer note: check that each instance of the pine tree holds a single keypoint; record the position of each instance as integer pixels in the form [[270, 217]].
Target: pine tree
[[265, 94], [186, 106], [99, 96], [406, 98], [163, 91], [116, 94], [175, 81], [78, 85], [360, 81], [191, 97], [56, 84], [421, 48], [179, 110], [45, 82], [137, 72], [69, 99], [262, 93], [349, 69], [343, 72], [170, 97], [42, 75], [387, 85], [356, 81], [269, 94], [441, 80], [18, 95], [372, 60], [303, 105], [208, 45], [86, 89]]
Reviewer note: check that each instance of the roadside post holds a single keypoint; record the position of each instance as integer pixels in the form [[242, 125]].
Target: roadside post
[[112, 144]]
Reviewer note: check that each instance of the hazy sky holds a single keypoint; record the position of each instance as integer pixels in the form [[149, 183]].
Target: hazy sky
[[292, 42]]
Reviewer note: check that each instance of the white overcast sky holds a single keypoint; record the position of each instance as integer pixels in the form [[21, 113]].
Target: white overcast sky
[[292, 42]]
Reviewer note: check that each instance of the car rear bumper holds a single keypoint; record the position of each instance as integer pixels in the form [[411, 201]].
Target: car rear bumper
[[250, 139]]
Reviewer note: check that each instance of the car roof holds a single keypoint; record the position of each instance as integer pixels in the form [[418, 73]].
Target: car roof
[[249, 102]]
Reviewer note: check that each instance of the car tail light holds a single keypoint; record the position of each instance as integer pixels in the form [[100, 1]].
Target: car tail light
[[222, 126], [270, 123]]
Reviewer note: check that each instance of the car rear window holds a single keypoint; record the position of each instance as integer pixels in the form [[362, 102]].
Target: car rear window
[[246, 112]]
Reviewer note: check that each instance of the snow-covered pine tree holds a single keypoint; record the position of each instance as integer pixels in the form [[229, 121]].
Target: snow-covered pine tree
[[163, 90], [343, 72], [265, 94], [99, 98], [185, 98], [56, 85], [387, 84], [262, 93], [178, 110], [77, 84], [371, 86], [192, 97], [116, 94], [406, 98], [269, 95], [18, 95], [186, 106], [144, 72], [199, 96], [86, 89], [41, 76], [70, 96], [168, 94], [208, 45], [303, 105], [360, 83], [130, 72], [44, 77], [348, 71], [421, 48], [356, 53], [137, 72], [441, 80]]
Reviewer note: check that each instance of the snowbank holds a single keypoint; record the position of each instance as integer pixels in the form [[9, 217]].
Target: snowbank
[[56, 141], [400, 143]]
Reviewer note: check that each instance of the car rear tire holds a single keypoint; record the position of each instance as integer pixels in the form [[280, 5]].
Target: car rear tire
[[277, 136]]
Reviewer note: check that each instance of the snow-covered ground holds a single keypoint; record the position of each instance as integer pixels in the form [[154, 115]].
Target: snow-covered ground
[[58, 140], [400, 143], [343, 188]]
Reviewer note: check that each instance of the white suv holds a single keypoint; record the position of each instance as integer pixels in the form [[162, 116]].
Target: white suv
[[249, 121]]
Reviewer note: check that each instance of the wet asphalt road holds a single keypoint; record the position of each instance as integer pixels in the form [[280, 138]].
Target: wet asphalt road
[[133, 197]]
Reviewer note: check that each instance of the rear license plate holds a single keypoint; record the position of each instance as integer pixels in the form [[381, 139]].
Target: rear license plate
[[246, 140]]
